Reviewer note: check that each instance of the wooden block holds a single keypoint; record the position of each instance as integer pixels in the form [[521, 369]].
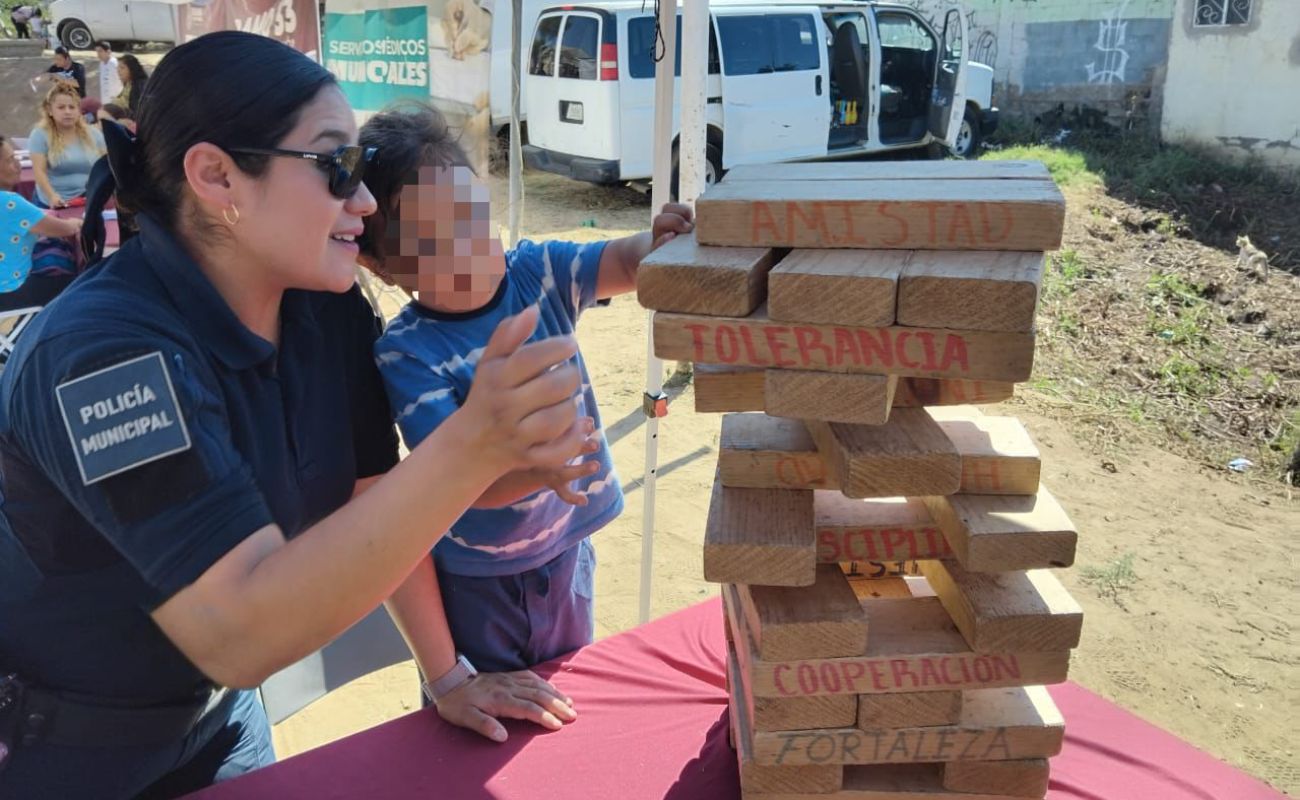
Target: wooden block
[[941, 392], [998, 533], [869, 588], [760, 536], [1018, 611], [837, 287], [719, 388], [819, 621], [913, 647], [683, 276], [908, 710], [988, 291], [724, 388], [909, 455], [995, 725], [1024, 778], [890, 171], [809, 778], [757, 451], [894, 215], [887, 782], [756, 341], [881, 529], [963, 412], [785, 713], [997, 454], [830, 396]]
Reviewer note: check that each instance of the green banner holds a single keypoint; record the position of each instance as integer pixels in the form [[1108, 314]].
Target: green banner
[[379, 55]]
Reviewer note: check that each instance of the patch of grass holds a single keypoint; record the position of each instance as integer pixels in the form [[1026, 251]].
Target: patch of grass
[[1112, 579], [1189, 377], [1064, 271], [1069, 167], [1167, 289]]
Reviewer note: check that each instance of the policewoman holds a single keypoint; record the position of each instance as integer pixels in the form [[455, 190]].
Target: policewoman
[[192, 439]]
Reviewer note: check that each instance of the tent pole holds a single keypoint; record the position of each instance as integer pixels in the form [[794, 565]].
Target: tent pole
[[695, 66], [516, 137], [654, 378]]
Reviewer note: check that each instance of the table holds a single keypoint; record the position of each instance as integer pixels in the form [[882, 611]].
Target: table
[[653, 724]]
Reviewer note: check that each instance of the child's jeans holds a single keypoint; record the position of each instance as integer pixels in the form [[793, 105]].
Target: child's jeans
[[513, 622]]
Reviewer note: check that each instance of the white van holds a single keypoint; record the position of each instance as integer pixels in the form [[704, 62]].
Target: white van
[[81, 23], [787, 81]]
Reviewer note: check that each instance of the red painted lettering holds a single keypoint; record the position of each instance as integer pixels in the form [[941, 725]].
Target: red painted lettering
[[989, 236], [929, 675], [954, 352], [816, 220], [894, 538], [850, 224], [828, 546], [697, 339], [852, 671], [902, 669], [747, 337], [982, 474], [965, 670], [875, 347], [723, 338], [899, 222], [931, 208], [774, 343], [808, 340], [983, 670], [846, 347], [947, 676], [960, 220], [900, 349], [830, 678], [807, 678], [763, 220], [927, 345], [878, 681], [776, 679], [1005, 666]]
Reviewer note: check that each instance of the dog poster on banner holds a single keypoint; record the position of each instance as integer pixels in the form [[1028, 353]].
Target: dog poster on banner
[[439, 51], [294, 22]]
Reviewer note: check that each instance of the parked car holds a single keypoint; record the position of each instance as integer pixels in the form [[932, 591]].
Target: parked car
[[787, 81], [81, 23]]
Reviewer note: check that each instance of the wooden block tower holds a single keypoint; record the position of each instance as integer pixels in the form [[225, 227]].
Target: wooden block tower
[[884, 547]]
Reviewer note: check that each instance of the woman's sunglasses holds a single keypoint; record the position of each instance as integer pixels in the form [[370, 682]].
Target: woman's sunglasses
[[345, 167]]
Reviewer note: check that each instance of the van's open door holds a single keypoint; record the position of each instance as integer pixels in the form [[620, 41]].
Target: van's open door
[[948, 101]]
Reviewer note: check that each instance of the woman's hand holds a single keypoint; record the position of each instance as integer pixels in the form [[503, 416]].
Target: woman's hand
[[488, 696], [521, 410], [57, 201]]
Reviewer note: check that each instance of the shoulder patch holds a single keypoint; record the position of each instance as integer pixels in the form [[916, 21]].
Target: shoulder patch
[[122, 416]]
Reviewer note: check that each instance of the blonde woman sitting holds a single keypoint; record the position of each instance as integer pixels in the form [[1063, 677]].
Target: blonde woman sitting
[[63, 148]]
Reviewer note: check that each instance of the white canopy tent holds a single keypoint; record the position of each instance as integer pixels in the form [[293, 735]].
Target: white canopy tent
[[691, 169]]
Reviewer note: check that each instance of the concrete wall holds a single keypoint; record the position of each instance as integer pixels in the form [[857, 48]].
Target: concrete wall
[[1107, 54], [1237, 87]]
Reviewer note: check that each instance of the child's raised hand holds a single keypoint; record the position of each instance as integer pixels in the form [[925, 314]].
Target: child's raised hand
[[559, 479], [479, 703], [520, 412], [674, 219]]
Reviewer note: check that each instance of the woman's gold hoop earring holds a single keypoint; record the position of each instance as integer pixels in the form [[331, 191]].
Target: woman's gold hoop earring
[[225, 214]]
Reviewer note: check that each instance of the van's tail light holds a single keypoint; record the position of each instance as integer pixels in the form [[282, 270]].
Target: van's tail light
[[609, 62]]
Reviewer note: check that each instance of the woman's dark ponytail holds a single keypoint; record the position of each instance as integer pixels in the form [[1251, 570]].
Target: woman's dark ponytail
[[232, 89], [115, 173]]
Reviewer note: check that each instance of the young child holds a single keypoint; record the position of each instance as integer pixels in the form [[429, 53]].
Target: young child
[[510, 585]]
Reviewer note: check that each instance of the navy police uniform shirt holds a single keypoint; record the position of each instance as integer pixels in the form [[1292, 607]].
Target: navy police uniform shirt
[[144, 432]]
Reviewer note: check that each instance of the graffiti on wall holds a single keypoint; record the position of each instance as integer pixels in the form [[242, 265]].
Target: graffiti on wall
[[1110, 65]]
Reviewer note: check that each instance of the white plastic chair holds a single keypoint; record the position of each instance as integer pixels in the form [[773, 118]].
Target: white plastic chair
[[12, 324]]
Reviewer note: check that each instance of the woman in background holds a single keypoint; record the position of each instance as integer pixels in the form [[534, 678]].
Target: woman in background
[[63, 148], [134, 80]]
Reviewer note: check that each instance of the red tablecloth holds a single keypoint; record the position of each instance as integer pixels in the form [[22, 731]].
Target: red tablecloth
[[653, 724]]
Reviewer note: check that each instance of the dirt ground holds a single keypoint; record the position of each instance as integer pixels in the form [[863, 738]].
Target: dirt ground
[[1185, 574]]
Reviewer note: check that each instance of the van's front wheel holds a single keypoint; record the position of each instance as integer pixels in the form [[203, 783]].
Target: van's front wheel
[[712, 168]]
